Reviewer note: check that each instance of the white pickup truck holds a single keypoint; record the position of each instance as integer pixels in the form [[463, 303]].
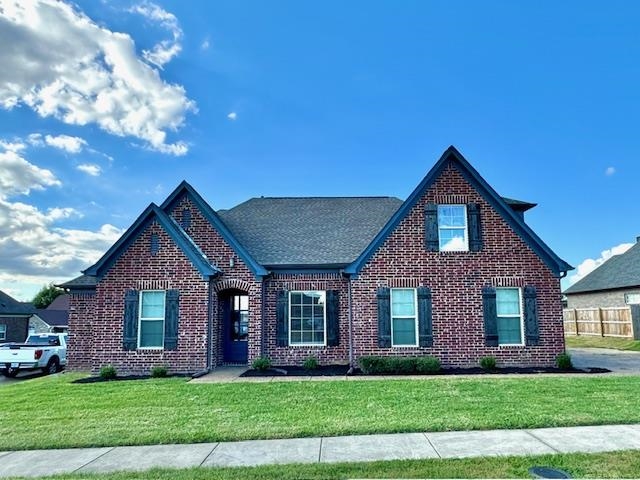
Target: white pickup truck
[[44, 351]]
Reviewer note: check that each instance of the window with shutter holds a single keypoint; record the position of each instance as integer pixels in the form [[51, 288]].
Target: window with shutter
[[307, 317], [151, 319], [509, 316], [404, 316]]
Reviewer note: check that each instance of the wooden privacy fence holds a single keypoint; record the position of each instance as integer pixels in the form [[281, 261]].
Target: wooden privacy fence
[[603, 322]]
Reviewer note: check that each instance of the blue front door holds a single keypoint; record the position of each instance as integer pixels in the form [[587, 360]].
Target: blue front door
[[235, 330]]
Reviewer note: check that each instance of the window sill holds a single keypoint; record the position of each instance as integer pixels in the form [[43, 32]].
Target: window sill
[[307, 345], [511, 345], [150, 349], [405, 346]]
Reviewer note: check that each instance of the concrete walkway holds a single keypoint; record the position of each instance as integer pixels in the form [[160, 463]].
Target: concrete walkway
[[323, 450]]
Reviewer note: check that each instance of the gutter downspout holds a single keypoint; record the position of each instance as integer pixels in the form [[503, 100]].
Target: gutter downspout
[[350, 315], [263, 296], [209, 324]]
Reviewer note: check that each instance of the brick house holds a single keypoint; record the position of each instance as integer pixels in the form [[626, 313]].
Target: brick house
[[453, 271], [615, 283], [14, 319]]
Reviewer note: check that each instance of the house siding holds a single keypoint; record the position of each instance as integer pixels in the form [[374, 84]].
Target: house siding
[[219, 253], [138, 269], [603, 299], [456, 280], [81, 344], [17, 329], [295, 355]]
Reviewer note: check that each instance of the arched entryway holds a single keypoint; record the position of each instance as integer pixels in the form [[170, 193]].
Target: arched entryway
[[234, 310]]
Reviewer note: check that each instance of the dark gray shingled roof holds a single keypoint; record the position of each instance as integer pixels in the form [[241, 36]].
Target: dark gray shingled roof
[[308, 231], [620, 271], [81, 282], [10, 306], [54, 318]]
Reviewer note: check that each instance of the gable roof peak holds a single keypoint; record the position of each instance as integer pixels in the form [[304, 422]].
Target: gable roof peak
[[555, 263]]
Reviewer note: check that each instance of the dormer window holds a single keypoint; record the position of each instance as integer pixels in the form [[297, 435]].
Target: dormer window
[[452, 228]]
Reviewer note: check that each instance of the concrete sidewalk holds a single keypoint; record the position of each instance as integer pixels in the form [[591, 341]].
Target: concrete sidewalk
[[324, 450]]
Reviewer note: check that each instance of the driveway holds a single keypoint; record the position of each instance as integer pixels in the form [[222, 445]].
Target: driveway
[[617, 361], [21, 376]]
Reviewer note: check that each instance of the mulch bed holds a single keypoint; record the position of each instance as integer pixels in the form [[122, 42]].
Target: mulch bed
[[341, 370]]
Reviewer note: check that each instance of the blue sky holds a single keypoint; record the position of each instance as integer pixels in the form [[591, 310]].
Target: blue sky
[[107, 106]]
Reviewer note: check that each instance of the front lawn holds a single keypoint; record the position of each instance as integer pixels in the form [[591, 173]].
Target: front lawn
[[596, 465], [603, 342], [52, 412]]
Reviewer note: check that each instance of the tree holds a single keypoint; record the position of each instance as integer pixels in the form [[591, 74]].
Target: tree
[[46, 295]]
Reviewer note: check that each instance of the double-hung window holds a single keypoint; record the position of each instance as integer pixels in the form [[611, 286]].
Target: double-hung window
[[404, 317], [308, 317], [3, 332], [151, 318], [452, 228], [509, 316]]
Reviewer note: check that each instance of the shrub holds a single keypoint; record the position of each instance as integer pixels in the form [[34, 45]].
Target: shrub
[[159, 371], [311, 363], [401, 365], [488, 363], [108, 372], [564, 361], [428, 365], [371, 365], [261, 363]]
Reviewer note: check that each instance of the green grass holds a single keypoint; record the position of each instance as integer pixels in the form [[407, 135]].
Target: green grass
[[601, 465], [52, 412], [603, 342]]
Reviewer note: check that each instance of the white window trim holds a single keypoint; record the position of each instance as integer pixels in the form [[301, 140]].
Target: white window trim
[[140, 319], [632, 295], [3, 331], [415, 316], [520, 303], [466, 227], [324, 343]]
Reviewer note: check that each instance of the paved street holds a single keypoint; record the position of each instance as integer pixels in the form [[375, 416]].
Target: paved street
[[617, 361]]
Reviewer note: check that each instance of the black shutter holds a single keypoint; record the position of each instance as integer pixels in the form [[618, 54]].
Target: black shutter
[[490, 316], [333, 318], [171, 317], [532, 334], [425, 329], [130, 324], [384, 317], [431, 227], [475, 228], [282, 320]]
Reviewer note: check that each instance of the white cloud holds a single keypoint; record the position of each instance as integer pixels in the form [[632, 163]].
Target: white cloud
[[18, 176], [456, 244], [165, 50], [62, 64], [610, 171], [15, 146], [34, 248], [66, 143], [205, 44], [90, 169], [589, 265], [232, 116]]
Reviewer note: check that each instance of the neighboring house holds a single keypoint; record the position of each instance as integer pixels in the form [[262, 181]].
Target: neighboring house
[[453, 271], [45, 321], [14, 319], [615, 283]]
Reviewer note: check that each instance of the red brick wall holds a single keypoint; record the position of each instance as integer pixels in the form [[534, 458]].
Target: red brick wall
[[80, 341], [296, 355], [456, 280], [219, 252], [139, 270]]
